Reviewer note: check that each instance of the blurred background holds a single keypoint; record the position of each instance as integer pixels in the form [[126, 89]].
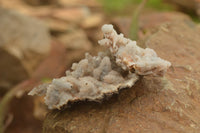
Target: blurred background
[[40, 39]]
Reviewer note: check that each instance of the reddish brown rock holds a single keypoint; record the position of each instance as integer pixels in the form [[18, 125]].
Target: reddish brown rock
[[154, 104], [148, 21]]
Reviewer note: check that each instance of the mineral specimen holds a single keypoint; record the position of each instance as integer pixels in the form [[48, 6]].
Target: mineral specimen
[[129, 56], [95, 77]]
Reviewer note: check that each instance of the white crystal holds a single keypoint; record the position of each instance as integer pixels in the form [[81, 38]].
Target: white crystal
[[130, 56], [94, 77]]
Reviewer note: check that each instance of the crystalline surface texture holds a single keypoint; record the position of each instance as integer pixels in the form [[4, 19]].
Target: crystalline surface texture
[[92, 78], [95, 77], [130, 56]]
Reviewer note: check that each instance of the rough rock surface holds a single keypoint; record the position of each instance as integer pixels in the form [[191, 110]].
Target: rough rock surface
[[148, 20], [169, 104], [22, 45]]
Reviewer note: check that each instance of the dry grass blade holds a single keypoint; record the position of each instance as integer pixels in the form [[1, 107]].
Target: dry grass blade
[[134, 24]]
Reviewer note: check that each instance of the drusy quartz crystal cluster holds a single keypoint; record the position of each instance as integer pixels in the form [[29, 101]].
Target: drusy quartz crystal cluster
[[95, 77]]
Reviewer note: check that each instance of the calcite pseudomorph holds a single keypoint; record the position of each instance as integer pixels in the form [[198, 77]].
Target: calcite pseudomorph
[[130, 56], [95, 77]]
